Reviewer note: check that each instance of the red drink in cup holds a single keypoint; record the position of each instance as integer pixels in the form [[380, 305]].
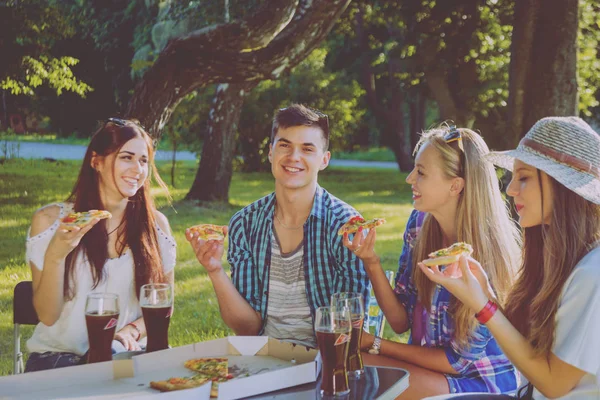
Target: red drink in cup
[[156, 300], [101, 317], [333, 331], [354, 303]]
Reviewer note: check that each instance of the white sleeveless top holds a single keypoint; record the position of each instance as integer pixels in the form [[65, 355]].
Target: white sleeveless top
[[69, 333]]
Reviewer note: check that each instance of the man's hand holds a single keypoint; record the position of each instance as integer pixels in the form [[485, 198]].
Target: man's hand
[[208, 253]]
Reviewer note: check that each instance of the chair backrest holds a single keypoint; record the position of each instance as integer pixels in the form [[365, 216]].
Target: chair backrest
[[23, 310]]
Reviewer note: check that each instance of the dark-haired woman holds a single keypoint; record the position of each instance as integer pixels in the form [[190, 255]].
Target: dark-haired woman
[[116, 255]]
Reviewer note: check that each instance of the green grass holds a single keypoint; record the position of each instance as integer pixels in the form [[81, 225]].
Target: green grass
[[372, 154], [26, 185]]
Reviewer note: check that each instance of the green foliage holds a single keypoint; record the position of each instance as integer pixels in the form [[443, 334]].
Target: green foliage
[[27, 185], [29, 30], [588, 62], [55, 72], [309, 83]]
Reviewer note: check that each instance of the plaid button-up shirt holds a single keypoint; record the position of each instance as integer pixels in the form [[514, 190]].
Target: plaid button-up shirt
[[482, 366], [329, 267]]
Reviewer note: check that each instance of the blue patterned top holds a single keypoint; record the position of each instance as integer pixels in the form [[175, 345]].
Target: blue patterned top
[[329, 267], [482, 367]]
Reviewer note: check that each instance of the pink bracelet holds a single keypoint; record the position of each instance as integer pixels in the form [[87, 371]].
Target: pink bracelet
[[487, 312], [137, 329]]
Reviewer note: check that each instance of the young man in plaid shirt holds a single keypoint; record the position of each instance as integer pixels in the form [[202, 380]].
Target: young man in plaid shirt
[[285, 254]]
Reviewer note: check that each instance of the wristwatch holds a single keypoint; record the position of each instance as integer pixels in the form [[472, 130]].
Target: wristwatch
[[376, 346]]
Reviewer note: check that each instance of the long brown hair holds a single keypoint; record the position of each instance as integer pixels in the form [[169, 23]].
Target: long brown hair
[[482, 219], [550, 253], [138, 231]]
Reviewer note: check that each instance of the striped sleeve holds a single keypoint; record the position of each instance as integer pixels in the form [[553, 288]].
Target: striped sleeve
[[240, 259]]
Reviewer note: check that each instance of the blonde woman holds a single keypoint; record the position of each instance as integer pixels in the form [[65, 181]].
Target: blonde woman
[[457, 199], [549, 328]]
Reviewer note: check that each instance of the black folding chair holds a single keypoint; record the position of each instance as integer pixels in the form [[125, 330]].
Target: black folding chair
[[23, 314]]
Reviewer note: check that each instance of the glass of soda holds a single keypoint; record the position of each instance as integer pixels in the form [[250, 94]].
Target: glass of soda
[[156, 300], [101, 317], [333, 329], [355, 305]]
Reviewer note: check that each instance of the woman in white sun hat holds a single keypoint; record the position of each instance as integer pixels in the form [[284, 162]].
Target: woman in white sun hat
[[551, 323]]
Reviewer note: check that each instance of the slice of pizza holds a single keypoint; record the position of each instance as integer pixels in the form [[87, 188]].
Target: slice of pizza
[[214, 368], [179, 383], [449, 255], [356, 222], [209, 231], [80, 219]]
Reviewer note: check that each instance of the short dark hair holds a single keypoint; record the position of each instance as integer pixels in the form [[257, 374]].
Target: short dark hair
[[301, 115]]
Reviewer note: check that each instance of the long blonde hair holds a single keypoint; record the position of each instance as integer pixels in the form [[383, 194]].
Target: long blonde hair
[[550, 253], [482, 219]]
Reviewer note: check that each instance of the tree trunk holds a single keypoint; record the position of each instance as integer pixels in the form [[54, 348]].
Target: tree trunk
[[214, 173], [543, 70], [417, 118]]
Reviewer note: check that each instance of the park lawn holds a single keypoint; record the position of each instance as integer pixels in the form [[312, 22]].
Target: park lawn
[[26, 185]]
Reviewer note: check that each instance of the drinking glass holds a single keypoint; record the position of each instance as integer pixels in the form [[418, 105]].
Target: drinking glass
[[355, 305], [156, 300], [333, 329], [101, 317]]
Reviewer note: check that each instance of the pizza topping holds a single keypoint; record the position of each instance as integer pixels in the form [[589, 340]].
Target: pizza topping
[[209, 231], [357, 222], [455, 249], [82, 218]]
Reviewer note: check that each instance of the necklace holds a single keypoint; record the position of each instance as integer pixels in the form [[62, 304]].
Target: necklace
[[114, 230], [284, 225]]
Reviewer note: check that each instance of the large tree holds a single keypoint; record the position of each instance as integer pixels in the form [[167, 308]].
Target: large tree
[[266, 44], [543, 67]]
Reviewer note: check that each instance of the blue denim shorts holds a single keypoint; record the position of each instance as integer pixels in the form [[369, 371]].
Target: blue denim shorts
[[51, 360]]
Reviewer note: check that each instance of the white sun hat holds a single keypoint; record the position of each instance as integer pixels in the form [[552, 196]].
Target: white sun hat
[[566, 148]]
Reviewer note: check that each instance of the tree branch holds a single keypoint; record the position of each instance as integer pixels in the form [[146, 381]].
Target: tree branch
[[189, 63]]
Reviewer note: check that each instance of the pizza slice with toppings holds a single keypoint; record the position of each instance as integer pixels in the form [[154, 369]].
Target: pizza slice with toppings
[[213, 368], [449, 254], [209, 231], [357, 222], [179, 383], [80, 219]]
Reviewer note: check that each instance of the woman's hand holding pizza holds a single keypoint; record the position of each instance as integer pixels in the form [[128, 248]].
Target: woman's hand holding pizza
[[363, 247], [67, 237], [468, 288], [208, 252]]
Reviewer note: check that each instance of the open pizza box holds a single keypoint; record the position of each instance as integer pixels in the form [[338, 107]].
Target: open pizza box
[[259, 365]]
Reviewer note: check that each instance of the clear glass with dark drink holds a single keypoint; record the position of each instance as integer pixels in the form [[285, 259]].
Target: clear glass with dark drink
[[101, 317], [156, 300], [355, 304], [333, 330]]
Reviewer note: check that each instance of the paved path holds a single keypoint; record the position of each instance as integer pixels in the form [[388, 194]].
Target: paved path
[[76, 152]]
